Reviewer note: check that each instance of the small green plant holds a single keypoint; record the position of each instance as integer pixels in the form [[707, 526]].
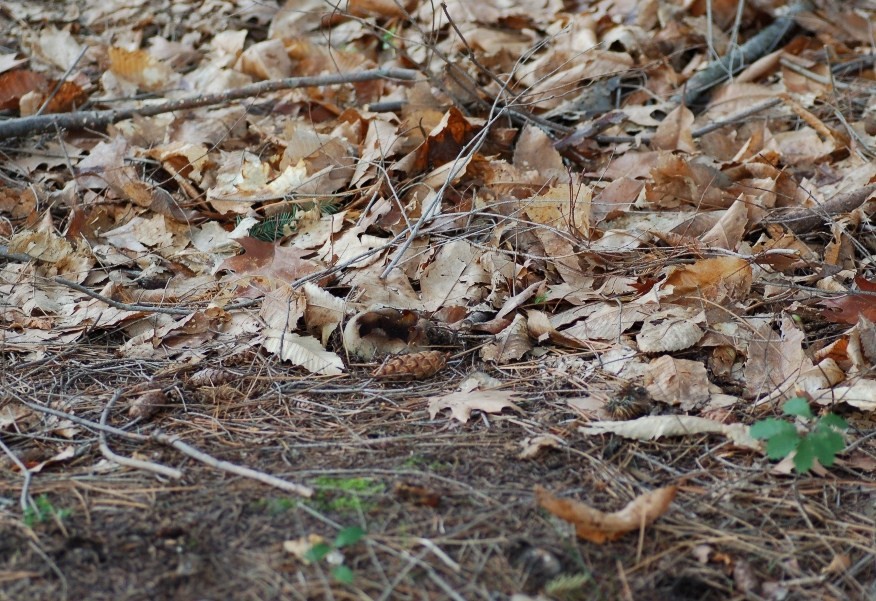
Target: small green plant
[[822, 438], [275, 506], [347, 495], [274, 228], [42, 510], [332, 555], [568, 587]]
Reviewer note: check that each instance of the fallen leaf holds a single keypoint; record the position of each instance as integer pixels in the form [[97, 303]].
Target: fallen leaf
[[461, 404], [597, 526], [305, 351], [653, 427]]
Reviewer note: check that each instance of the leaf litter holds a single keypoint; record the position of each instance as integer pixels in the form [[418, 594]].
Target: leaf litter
[[529, 211]]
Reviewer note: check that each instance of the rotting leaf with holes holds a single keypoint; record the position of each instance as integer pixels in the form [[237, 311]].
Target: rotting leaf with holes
[[461, 404]]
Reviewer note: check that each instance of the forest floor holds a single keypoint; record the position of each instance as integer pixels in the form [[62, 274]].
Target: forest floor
[[231, 332]]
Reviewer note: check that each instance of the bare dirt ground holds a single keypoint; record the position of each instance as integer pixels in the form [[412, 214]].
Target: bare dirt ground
[[448, 508], [152, 349]]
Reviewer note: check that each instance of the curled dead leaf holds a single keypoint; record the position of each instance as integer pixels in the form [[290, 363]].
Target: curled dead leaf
[[597, 526]]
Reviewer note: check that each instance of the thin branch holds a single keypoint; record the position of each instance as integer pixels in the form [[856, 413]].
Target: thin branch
[[148, 466], [182, 447], [186, 449], [143, 308], [801, 221], [739, 57], [24, 499], [31, 126], [699, 132]]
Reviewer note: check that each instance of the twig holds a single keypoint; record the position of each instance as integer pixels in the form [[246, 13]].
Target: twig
[[24, 499], [186, 449], [5, 254], [61, 81], [182, 447], [801, 221], [29, 126], [130, 461], [701, 131], [144, 308], [739, 57], [52, 566]]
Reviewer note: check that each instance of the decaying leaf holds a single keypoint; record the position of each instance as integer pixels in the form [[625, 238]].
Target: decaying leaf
[[461, 404], [653, 427], [677, 381], [597, 526], [510, 344]]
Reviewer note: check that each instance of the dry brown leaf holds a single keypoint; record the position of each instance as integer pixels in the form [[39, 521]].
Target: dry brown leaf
[[712, 279], [15, 84], [510, 344], [141, 68], [599, 527], [323, 312], [674, 133], [672, 329], [848, 308], [461, 404], [277, 263], [678, 381], [147, 404], [266, 60]]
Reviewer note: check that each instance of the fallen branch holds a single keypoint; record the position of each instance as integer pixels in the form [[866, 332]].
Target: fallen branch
[[31, 126], [801, 221], [139, 464], [144, 308], [740, 57], [182, 447]]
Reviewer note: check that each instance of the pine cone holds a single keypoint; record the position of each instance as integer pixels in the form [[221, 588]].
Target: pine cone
[[415, 366]]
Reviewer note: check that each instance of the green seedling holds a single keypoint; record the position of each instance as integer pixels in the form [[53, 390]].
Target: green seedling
[[347, 495], [42, 510], [332, 555], [821, 438]]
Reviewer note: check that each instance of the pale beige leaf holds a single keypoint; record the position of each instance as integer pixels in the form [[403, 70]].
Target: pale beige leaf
[[653, 427], [536, 445], [610, 321], [324, 311], [672, 329], [677, 381], [451, 278], [461, 404], [304, 351], [860, 394]]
